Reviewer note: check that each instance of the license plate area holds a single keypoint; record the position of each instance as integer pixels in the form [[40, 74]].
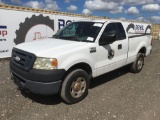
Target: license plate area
[[20, 83]]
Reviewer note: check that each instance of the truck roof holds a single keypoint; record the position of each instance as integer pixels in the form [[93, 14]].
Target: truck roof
[[91, 20], [98, 20]]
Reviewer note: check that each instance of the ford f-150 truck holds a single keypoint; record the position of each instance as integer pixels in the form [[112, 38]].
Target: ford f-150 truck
[[80, 51]]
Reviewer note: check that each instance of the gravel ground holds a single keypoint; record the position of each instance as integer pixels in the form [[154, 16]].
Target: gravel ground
[[118, 95]]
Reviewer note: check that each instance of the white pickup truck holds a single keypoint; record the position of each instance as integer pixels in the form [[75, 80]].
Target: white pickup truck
[[80, 51]]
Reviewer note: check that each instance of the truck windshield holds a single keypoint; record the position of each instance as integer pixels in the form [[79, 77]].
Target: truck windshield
[[80, 31]]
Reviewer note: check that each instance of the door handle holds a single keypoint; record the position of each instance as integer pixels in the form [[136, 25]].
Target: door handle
[[119, 46]]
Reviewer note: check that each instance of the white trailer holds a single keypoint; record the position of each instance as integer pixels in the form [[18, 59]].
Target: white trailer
[[20, 24]]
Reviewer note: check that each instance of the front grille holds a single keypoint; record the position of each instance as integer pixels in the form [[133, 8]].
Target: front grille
[[23, 59]]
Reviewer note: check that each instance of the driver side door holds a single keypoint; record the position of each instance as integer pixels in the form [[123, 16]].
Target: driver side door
[[112, 55]]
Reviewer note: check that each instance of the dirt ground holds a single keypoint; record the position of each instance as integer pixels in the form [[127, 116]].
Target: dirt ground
[[118, 95]]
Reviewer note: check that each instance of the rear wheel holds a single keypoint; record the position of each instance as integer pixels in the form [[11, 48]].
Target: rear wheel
[[137, 66], [75, 86]]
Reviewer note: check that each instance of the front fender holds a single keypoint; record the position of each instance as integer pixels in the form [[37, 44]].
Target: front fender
[[75, 59]]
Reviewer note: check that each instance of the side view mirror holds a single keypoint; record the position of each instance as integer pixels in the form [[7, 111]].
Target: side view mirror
[[107, 39]]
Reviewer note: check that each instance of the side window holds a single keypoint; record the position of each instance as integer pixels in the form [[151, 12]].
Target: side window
[[110, 28], [120, 32], [116, 28]]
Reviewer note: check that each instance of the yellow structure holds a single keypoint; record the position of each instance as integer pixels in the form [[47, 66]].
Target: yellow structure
[[155, 31]]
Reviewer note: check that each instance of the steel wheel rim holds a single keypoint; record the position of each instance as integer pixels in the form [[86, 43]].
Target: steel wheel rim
[[140, 63], [78, 87]]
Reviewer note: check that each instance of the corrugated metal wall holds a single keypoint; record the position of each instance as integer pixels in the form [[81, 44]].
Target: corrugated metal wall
[[155, 31]]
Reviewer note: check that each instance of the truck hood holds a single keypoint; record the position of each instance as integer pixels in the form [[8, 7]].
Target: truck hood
[[49, 47]]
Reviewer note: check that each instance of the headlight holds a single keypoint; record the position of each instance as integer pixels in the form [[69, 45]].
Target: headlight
[[45, 63]]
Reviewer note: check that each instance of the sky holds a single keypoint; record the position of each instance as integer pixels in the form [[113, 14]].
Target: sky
[[140, 10]]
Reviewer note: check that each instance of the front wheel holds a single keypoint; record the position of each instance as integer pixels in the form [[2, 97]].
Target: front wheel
[[75, 86], [137, 66]]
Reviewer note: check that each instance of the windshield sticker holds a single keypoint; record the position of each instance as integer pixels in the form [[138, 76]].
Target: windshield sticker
[[98, 24], [90, 39]]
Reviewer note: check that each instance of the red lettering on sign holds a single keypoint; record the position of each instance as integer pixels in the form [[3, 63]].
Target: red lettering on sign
[[37, 35], [3, 32]]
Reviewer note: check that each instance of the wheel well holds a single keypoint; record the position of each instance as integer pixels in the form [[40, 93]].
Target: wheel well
[[142, 50], [83, 66]]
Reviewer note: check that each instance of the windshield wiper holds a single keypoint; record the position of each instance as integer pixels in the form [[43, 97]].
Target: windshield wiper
[[73, 38], [70, 38], [55, 36]]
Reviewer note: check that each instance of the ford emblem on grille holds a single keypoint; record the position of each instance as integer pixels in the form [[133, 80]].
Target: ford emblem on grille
[[17, 58]]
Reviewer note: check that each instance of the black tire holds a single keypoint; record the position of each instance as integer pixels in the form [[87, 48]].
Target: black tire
[[137, 66], [29, 23], [71, 82]]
